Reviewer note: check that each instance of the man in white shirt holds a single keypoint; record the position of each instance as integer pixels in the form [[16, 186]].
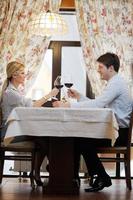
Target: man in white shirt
[[114, 96]]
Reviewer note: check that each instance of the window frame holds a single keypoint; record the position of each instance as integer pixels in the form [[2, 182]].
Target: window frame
[[56, 47]]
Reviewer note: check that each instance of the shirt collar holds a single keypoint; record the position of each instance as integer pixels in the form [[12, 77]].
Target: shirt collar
[[12, 87], [114, 77]]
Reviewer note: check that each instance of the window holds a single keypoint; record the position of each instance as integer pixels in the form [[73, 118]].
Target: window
[[64, 56]]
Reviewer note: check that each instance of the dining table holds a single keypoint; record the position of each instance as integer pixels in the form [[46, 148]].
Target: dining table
[[62, 126]]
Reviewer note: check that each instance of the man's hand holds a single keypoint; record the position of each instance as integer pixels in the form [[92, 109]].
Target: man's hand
[[73, 94], [61, 104]]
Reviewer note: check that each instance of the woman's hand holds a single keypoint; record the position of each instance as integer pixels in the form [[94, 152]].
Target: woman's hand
[[73, 94], [44, 99], [61, 104], [54, 92]]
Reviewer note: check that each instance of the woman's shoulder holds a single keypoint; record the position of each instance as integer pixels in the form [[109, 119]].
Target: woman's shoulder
[[11, 93]]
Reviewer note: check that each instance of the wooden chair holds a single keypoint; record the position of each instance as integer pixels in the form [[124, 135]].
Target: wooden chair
[[123, 154], [20, 148]]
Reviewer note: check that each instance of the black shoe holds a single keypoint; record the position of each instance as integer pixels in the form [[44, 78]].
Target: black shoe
[[99, 184]]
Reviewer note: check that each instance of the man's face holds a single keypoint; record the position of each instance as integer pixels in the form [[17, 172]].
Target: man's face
[[103, 71]]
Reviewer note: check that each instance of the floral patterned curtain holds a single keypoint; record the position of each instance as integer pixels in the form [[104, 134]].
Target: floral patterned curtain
[[106, 26], [15, 42]]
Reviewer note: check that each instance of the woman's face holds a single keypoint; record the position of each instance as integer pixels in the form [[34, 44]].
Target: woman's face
[[19, 77]]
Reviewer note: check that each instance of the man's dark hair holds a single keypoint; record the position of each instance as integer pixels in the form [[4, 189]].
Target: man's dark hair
[[109, 59]]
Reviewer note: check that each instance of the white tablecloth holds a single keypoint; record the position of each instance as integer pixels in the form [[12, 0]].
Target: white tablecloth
[[61, 122]]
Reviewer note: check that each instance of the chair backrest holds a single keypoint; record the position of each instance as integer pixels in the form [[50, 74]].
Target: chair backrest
[[0, 123], [130, 130], [22, 147], [0, 116]]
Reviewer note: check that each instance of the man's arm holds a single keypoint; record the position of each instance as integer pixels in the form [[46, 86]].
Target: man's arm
[[109, 94]]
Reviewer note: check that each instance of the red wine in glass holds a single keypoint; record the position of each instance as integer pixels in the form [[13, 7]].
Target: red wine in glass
[[58, 86], [68, 85]]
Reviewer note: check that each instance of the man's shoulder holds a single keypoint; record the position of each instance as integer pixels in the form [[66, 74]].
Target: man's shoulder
[[119, 79]]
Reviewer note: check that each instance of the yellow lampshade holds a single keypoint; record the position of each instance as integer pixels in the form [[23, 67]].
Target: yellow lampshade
[[48, 24]]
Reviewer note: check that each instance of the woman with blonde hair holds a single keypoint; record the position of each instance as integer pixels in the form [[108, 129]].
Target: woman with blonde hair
[[11, 97]]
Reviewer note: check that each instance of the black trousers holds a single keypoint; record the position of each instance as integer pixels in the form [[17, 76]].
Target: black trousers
[[87, 148]]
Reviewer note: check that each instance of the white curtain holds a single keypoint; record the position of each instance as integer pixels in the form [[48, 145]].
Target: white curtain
[[106, 26]]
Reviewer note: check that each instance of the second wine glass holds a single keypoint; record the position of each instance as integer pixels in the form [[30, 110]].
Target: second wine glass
[[58, 82], [68, 81]]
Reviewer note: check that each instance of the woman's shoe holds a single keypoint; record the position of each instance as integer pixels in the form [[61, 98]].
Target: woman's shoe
[[38, 181]]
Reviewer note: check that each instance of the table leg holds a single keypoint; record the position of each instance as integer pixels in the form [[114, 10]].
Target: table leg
[[61, 167]]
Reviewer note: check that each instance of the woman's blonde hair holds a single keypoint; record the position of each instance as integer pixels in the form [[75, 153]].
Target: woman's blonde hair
[[11, 68]]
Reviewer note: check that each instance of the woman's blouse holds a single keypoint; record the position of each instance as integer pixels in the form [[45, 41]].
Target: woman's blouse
[[12, 98]]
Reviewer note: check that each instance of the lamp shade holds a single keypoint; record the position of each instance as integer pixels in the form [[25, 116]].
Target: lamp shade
[[48, 24]]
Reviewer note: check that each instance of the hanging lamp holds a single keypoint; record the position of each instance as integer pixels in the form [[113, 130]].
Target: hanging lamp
[[48, 24]]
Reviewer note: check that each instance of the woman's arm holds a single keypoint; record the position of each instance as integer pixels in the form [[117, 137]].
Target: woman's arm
[[44, 99]]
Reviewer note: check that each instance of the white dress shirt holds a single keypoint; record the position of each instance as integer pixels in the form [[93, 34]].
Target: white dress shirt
[[115, 96]]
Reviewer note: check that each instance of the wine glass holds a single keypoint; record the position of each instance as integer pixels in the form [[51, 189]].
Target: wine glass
[[68, 81], [58, 82], [68, 84]]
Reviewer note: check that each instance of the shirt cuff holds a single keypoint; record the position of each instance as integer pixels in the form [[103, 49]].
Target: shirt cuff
[[82, 98]]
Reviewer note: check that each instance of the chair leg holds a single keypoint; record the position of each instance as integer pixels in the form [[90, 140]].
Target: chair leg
[[32, 169], [2, 154], [128, 174], [118, 167], [20, 176]]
